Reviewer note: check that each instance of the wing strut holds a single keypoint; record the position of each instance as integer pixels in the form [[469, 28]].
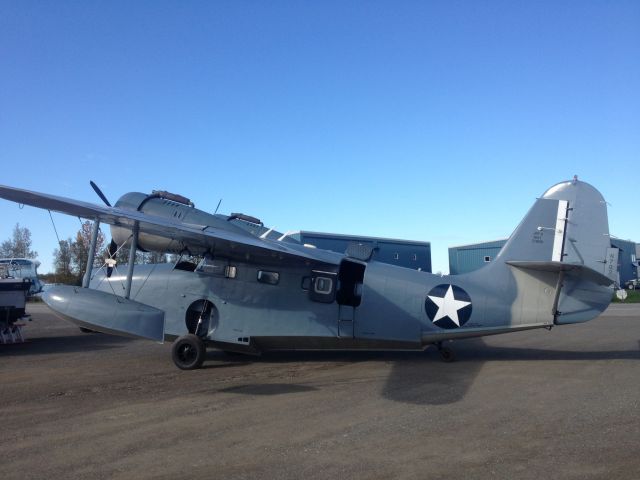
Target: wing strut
[[92, 254], [132, 259]]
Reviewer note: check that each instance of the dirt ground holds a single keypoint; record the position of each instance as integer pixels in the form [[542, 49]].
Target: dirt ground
[[531, 405]]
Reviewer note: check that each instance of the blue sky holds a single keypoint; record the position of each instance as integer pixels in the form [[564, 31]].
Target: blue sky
[[425, 120]]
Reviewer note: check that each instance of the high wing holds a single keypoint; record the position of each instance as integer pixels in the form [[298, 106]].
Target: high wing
[[202, 237]]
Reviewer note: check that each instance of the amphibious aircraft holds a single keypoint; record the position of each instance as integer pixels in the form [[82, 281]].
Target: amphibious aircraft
[[257, 290]]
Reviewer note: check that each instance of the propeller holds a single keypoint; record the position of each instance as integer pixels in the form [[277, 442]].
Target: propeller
[[99, 192], [113, 246]]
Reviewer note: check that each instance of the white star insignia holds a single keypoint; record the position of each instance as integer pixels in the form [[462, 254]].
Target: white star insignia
[[448, 306]]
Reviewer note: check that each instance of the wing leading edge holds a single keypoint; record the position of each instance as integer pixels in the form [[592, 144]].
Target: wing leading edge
[[189, 237]]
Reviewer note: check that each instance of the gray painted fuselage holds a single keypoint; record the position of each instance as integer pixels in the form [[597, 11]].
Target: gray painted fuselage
[[522, 289], [252, 293]]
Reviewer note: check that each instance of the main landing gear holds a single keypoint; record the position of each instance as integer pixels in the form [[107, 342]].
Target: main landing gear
[[188, 352], [447, 354]]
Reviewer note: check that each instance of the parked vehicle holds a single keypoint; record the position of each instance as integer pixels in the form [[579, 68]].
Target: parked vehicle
[[13, 296], [23, 268], [633, 284]]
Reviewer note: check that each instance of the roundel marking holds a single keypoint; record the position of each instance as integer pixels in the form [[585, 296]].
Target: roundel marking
[[448, 306]]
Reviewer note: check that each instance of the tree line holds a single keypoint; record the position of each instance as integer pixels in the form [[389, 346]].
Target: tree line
[[70, 258], [19, 245]]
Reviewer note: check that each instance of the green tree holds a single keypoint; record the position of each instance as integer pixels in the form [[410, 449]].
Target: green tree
[[155, 257], [62, 257], [19, 246], [62, 263], [122, 257], [70, 258], [80, 248]]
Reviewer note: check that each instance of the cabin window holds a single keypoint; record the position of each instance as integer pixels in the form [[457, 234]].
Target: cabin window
[[185, 265], [323, 286], [216, 266], [209, 265], [487, 259], [270, 278]]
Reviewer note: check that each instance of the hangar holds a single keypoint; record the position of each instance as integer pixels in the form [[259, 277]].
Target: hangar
[[403, 253], [466, 258]]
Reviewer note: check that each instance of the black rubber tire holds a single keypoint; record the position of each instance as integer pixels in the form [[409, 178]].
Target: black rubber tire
[[447, 355], [188, 352]]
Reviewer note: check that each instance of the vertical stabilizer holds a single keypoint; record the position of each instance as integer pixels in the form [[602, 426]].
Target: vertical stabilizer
[[566, 234], [567, 224], [587, 227]]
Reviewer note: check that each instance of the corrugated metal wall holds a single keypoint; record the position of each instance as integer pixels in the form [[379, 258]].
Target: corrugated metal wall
[[626, 259], [467, 258], [403, 253]]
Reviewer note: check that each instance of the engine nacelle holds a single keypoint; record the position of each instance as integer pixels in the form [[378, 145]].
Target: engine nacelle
[[177, 209]]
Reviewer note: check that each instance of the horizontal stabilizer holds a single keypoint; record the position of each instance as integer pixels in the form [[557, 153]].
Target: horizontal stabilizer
[[584, 273], [107, 313]]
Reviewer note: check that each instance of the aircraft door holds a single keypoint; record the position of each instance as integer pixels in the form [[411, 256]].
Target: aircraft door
[[346, 320], [349, 295]]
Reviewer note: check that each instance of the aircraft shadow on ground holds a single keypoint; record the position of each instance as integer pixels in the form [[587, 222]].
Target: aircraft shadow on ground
[[64, 344], [268, 389], [413, 381], [419, 378]]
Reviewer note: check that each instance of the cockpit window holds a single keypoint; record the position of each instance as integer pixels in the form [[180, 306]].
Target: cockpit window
[[184, 265], [217, 266]]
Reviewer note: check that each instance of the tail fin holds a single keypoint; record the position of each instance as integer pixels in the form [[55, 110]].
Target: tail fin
[[566, 232], [567, 224]]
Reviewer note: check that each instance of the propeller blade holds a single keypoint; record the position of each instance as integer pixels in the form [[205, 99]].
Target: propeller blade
[[99, 192]]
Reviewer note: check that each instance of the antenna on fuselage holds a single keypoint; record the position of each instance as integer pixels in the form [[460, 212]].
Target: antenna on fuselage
[[218, 206]]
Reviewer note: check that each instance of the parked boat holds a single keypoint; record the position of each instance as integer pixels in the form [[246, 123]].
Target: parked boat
[[13, 298]]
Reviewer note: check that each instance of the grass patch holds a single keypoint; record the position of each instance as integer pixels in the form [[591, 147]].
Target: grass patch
[[633, 296]]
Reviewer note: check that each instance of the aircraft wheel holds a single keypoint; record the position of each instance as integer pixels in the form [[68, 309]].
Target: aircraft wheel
[[447, 354], [188, 352]]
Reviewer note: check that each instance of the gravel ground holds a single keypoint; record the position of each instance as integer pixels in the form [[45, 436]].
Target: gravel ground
[[537, 404]]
